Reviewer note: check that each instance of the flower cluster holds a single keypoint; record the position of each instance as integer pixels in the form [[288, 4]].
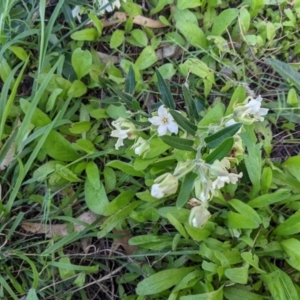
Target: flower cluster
[[209, 178]]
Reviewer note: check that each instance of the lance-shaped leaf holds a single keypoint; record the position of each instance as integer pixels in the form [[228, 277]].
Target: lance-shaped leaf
[[178, 143], [166, 96]]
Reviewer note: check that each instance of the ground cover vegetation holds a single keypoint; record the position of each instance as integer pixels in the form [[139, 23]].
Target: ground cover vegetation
[[149, 149]]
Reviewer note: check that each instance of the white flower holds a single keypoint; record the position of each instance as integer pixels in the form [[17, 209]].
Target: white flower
[[204, 190], [121, 133], [218, 169], [75, 13], [109, 5], [164, 121], [141, 146], [199, 216], [251, 111], [164, 185]]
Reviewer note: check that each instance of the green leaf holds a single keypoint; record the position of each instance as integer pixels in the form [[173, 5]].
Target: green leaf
[[186, 189], [189, 280], [290, 226], [130, 81], [190, 103], [213, 116], [85, 145], [57, 147], [183, 4], [39, 118], [19, 52], [235, 293], [92, 172], [140, 37], [161, 281], [173, 221], [239, 221], [125, 167], [116, 112], [292, 165], [252, 260], [268, 199], [280, 285], [291, 248], [67, 174], [215, 295], [197, 234], [245, 209], [109, 178], [166, 96], [285, 71], [146, 58], [217, 138], [181, 214], [183, 122], [111, 222], [65, 273], [32, 295], [88, 34], [97, 23], [116, 39], [80, 127], [223, 21], [77, 89], [178, 143], [193, 34], [95, 198], [81, 62], [221, 151], [253, 160], [238, 275], [118, 203]]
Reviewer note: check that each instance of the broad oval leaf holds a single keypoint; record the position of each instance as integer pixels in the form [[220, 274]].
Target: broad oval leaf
[[95, 198], [161, 281], [125, 167], [223, 20], [290, 226], [57, 147], [81, 62], [268, 199], [193, 34]]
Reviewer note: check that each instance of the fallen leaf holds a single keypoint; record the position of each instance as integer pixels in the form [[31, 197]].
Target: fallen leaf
[[105, 58], [9, 157], [123, 241], [88, 218], [120, 17], [59, 229]]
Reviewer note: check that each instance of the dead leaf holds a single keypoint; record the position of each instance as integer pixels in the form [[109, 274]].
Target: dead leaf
[[59, 229], [123, 241], [9, 157], [105, 58], [88, 218], [120, 17]]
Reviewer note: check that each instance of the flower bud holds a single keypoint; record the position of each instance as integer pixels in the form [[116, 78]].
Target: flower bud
[[199, 216], [164, 185], [141, 147]]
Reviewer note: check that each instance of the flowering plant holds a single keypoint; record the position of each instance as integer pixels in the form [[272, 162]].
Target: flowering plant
[[184, 153]]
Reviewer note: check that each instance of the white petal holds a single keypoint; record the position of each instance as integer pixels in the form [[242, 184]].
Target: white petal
[[263, 111], [162, 130], [156, 191], [162, 112], [156, 121], [172, 127]]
